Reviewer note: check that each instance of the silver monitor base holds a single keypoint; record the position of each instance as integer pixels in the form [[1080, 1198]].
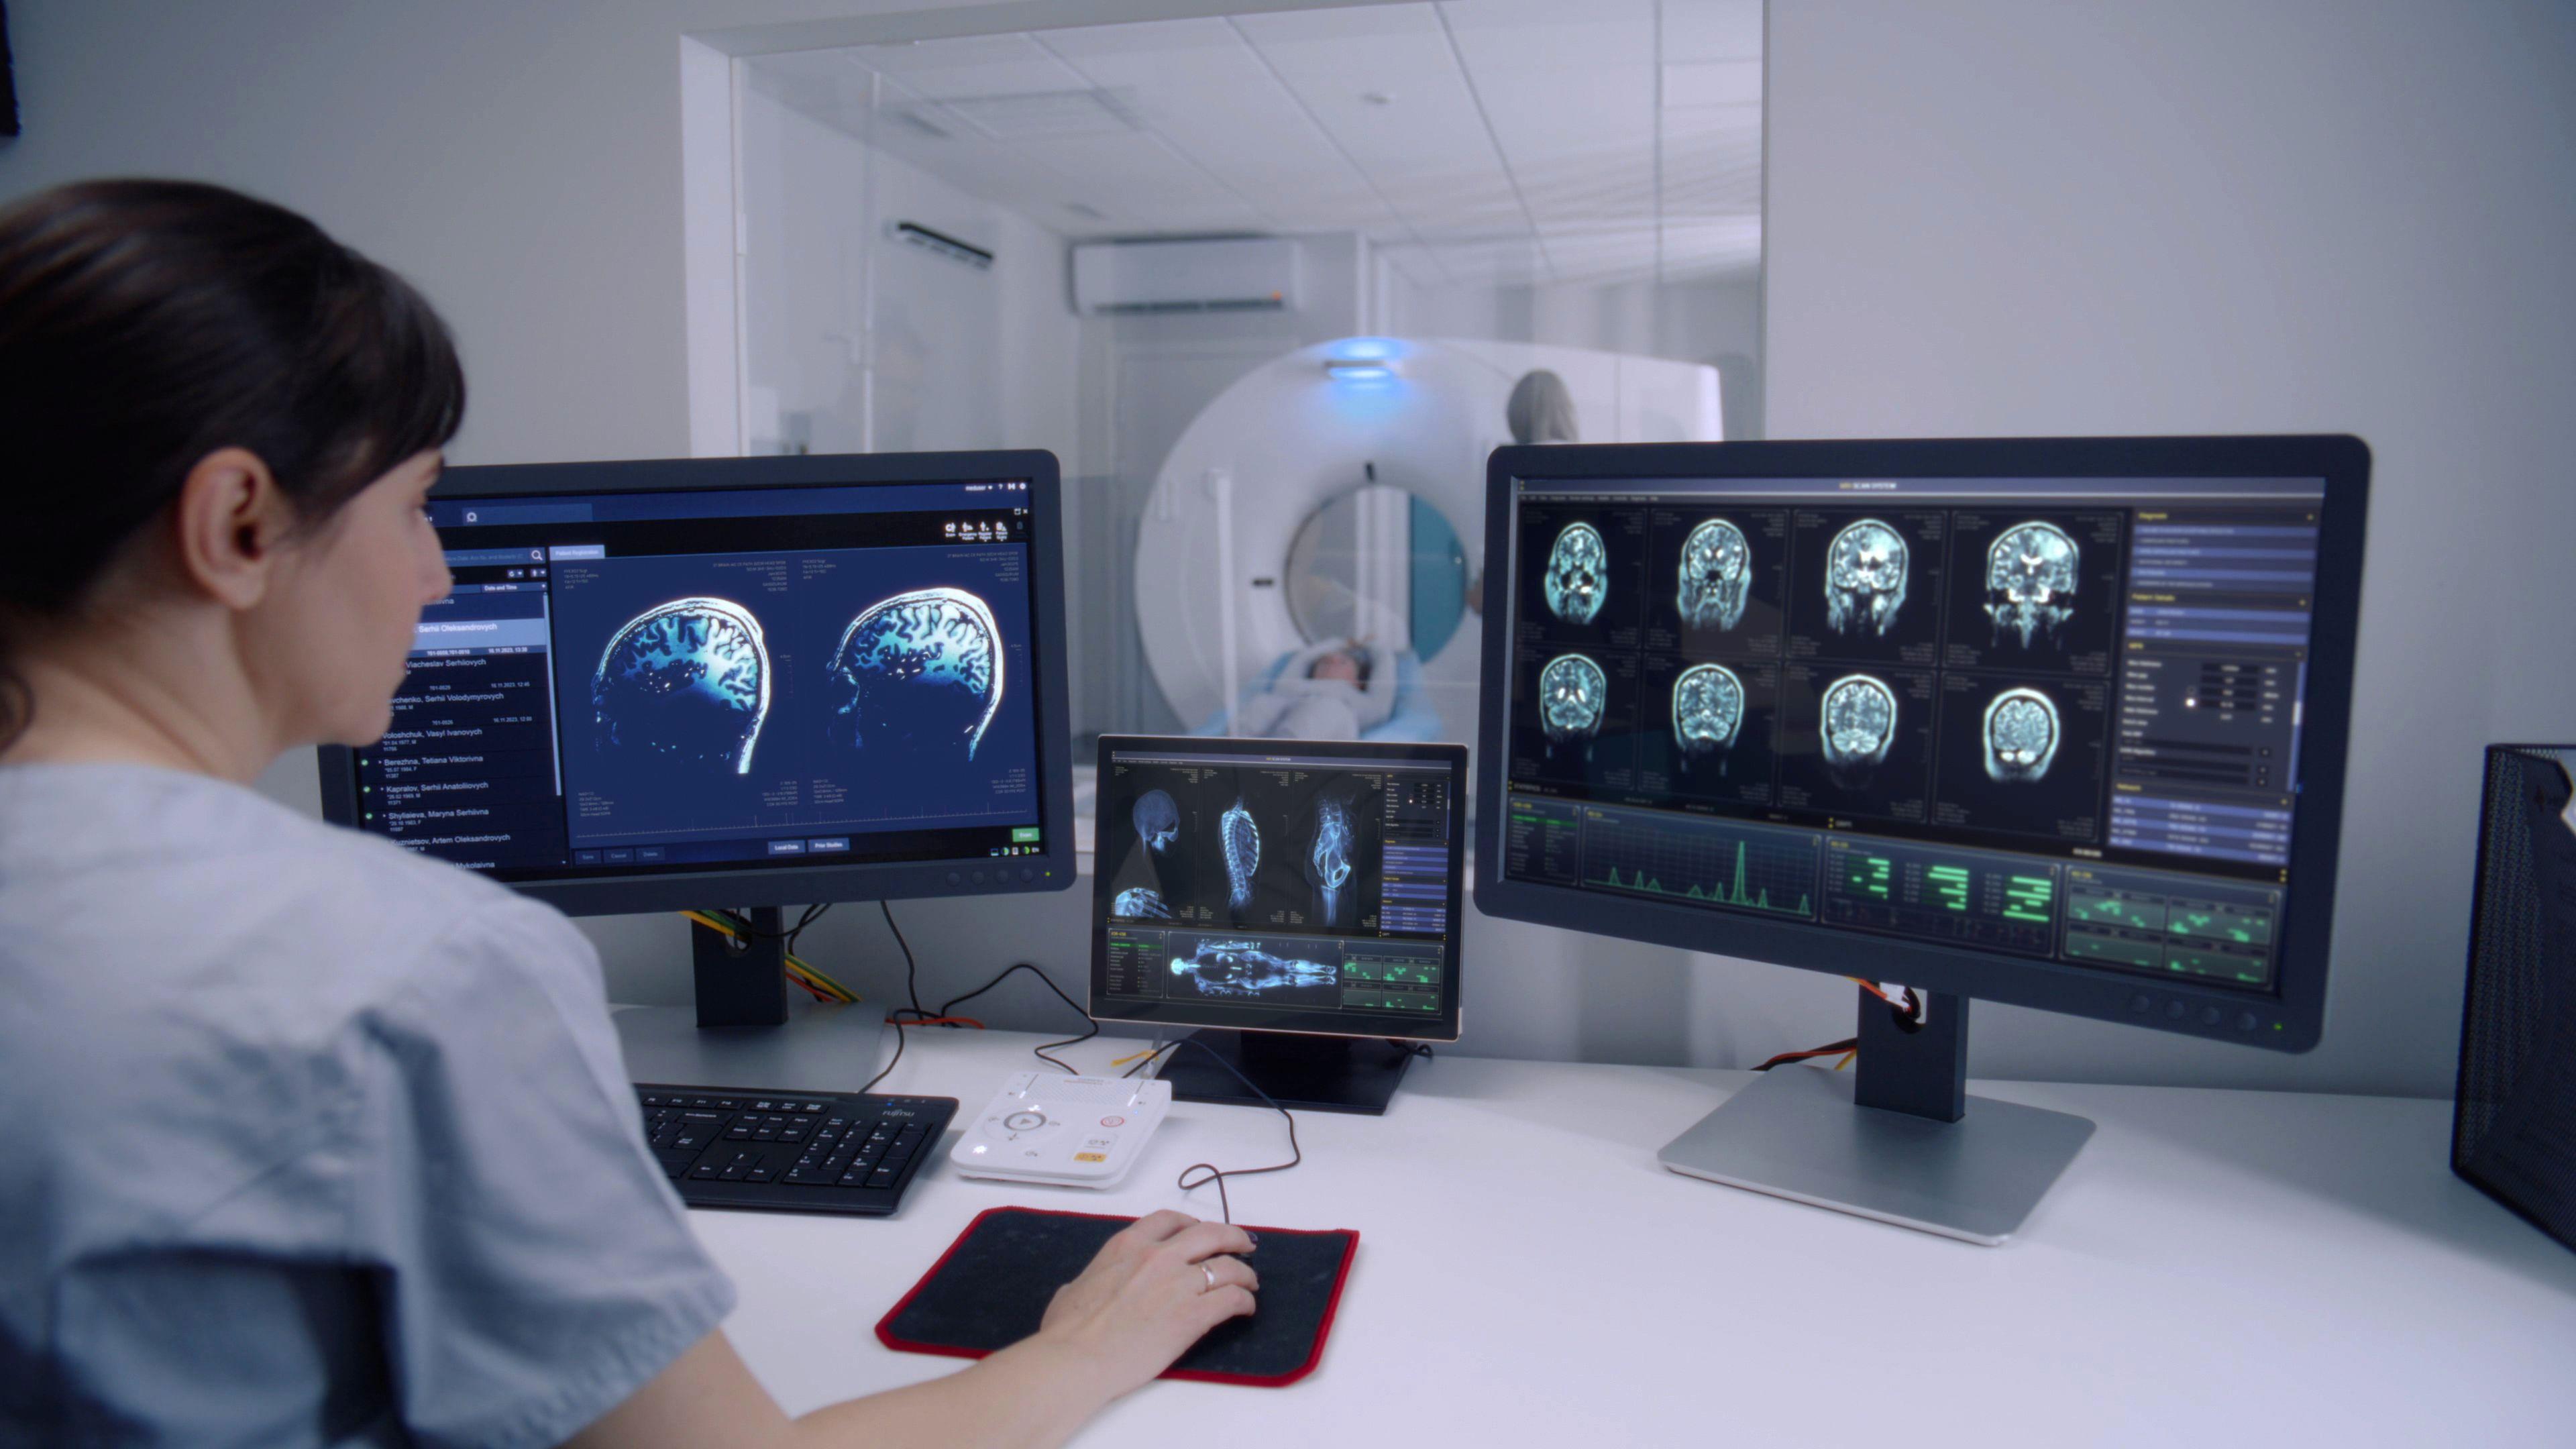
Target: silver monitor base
[[824, 1047], [1794, 1133]]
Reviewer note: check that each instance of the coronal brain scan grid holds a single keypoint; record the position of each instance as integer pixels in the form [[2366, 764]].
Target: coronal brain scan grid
[[2030, 581], [1716, 575], [1241, 838], [684, 684], [1158, 821], [1866, 567], [1859, 727], [2022, 731], [1578, 574], [919, 674], [1328, 858], [1572, 694], [1244, 969], [1708, 709]]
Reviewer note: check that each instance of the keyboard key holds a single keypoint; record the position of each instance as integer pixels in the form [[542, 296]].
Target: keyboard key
[[761, 1174], [882, 1177], [703, 1170]]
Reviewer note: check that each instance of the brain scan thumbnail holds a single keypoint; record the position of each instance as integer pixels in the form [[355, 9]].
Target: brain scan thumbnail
[[2030, 581], [1717, 572], [1158, 820], [1572, 692], [1865, 569], [1243, 968], [1859, 727], [1708, 709], [1241, 839], [684, 685], [920, 674], [1140, 903], [2021, 736], [1328, 859], [1578, 574]]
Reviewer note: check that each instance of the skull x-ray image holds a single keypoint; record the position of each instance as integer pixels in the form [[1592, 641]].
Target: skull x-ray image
[[1859, 728], [2030, 581], [1241, 839], [1329, 859], [1158, 821], [683, 685], [1717, 573], [1578, 574], [919, 674], [2022, 732], [1865, 576], [1140, 903], [1572, 693], [1708, 709], [1243, 968]]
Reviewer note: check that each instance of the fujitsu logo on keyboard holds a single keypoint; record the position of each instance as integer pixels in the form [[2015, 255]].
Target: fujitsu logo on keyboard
[[899, 1112]]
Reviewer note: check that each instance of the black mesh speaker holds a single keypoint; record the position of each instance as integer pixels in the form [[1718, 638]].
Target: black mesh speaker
[[2513, 1126]]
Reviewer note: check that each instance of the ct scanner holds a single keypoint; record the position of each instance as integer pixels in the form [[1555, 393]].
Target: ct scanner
[[1319, 427]]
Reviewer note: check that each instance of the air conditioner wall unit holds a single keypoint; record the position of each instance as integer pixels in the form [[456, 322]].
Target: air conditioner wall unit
[[1236, 274]]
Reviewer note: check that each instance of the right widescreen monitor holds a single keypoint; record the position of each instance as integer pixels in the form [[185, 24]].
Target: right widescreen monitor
[[2059, 722]]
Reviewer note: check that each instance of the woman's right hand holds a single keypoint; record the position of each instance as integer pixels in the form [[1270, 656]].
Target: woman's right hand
[[1150, 1293]]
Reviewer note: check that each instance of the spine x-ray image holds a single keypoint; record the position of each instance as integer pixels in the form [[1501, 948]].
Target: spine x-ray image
[[1865, 575], [1708, 709], [1578, 574], [1859, 728], [1329, 859], [1140, 903], [1158, 821], [2022, 731], [1242, 841], [1572, 693], [1243, 968], [684, 685], [2030, 581], [1717, 573], [919, 674]]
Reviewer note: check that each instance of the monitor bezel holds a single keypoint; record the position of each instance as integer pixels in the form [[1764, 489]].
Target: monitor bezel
[[2290, 1018], [1444, 1029], [1052, 868]]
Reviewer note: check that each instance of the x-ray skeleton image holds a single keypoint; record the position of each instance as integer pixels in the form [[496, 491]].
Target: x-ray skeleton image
[[1140, 903], [919, 675], [683, 685], [1572, 693], [1158, 821], [2030, 581], [1243, 968], [1329, 861], [1241, 839], [1865, 576], [1859, 728], [1708, 709], [1716, 575], [1578, 574], [2022, 731]]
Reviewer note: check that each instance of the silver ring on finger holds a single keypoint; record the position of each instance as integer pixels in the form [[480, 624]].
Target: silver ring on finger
[[1210, 1274]]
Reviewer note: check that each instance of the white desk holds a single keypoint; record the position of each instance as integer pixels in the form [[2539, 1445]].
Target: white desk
[[2217, 1267]]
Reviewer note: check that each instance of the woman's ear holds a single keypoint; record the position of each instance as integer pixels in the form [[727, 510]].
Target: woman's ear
[[230, 521]]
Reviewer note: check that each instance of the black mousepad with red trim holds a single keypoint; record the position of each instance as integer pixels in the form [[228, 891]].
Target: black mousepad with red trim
[[990, 1289]]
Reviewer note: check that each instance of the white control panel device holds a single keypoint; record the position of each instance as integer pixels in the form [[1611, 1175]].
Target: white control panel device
[[1071, 1131]]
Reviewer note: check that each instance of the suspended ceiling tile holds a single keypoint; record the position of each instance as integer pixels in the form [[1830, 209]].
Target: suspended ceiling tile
[[979, 65]]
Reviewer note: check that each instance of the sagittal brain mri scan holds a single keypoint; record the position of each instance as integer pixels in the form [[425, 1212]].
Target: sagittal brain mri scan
[[1708, 709], [1158, 821], [1241, 839], [919, 675], [2022, 731], [1572, 692], [1859, 728], [1865, 575], [2030, 582], [683, 685], [1243, 968], [1578, 574], [1717, 572], [1328, 859], [1140, 903]]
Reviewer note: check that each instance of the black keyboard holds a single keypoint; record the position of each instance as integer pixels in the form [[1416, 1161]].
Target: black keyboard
[[806, 1152]]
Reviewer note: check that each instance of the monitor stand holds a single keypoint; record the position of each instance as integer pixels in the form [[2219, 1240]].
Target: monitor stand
[[1302, 1073], [1893, 1139], [745, 1030]]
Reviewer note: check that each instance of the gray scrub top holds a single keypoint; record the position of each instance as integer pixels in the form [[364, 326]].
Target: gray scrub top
[[311, 1140]]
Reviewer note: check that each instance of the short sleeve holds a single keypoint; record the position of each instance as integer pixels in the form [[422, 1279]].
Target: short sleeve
[[535, 1267]]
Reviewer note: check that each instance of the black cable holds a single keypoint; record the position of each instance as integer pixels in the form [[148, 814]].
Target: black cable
[[1849, 1043], [1411, 1048], [812, 914], [950, 1009], [911, 969], [1217, 1174]]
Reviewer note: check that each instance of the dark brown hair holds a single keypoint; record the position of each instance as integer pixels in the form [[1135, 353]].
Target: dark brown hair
[[146, 324]]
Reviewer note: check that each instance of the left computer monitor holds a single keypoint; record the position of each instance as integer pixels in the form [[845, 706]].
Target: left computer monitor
[[736, 682]]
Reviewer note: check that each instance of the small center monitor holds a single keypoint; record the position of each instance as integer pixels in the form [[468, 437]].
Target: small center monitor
[[1298, 896]]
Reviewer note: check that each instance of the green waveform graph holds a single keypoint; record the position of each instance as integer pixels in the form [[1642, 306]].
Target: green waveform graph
[[1731, 892]]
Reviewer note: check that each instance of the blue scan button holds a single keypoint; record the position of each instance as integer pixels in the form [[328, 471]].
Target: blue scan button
[[828, 843], [649, 854], [787, 847], [621, 857], [585, 857]]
